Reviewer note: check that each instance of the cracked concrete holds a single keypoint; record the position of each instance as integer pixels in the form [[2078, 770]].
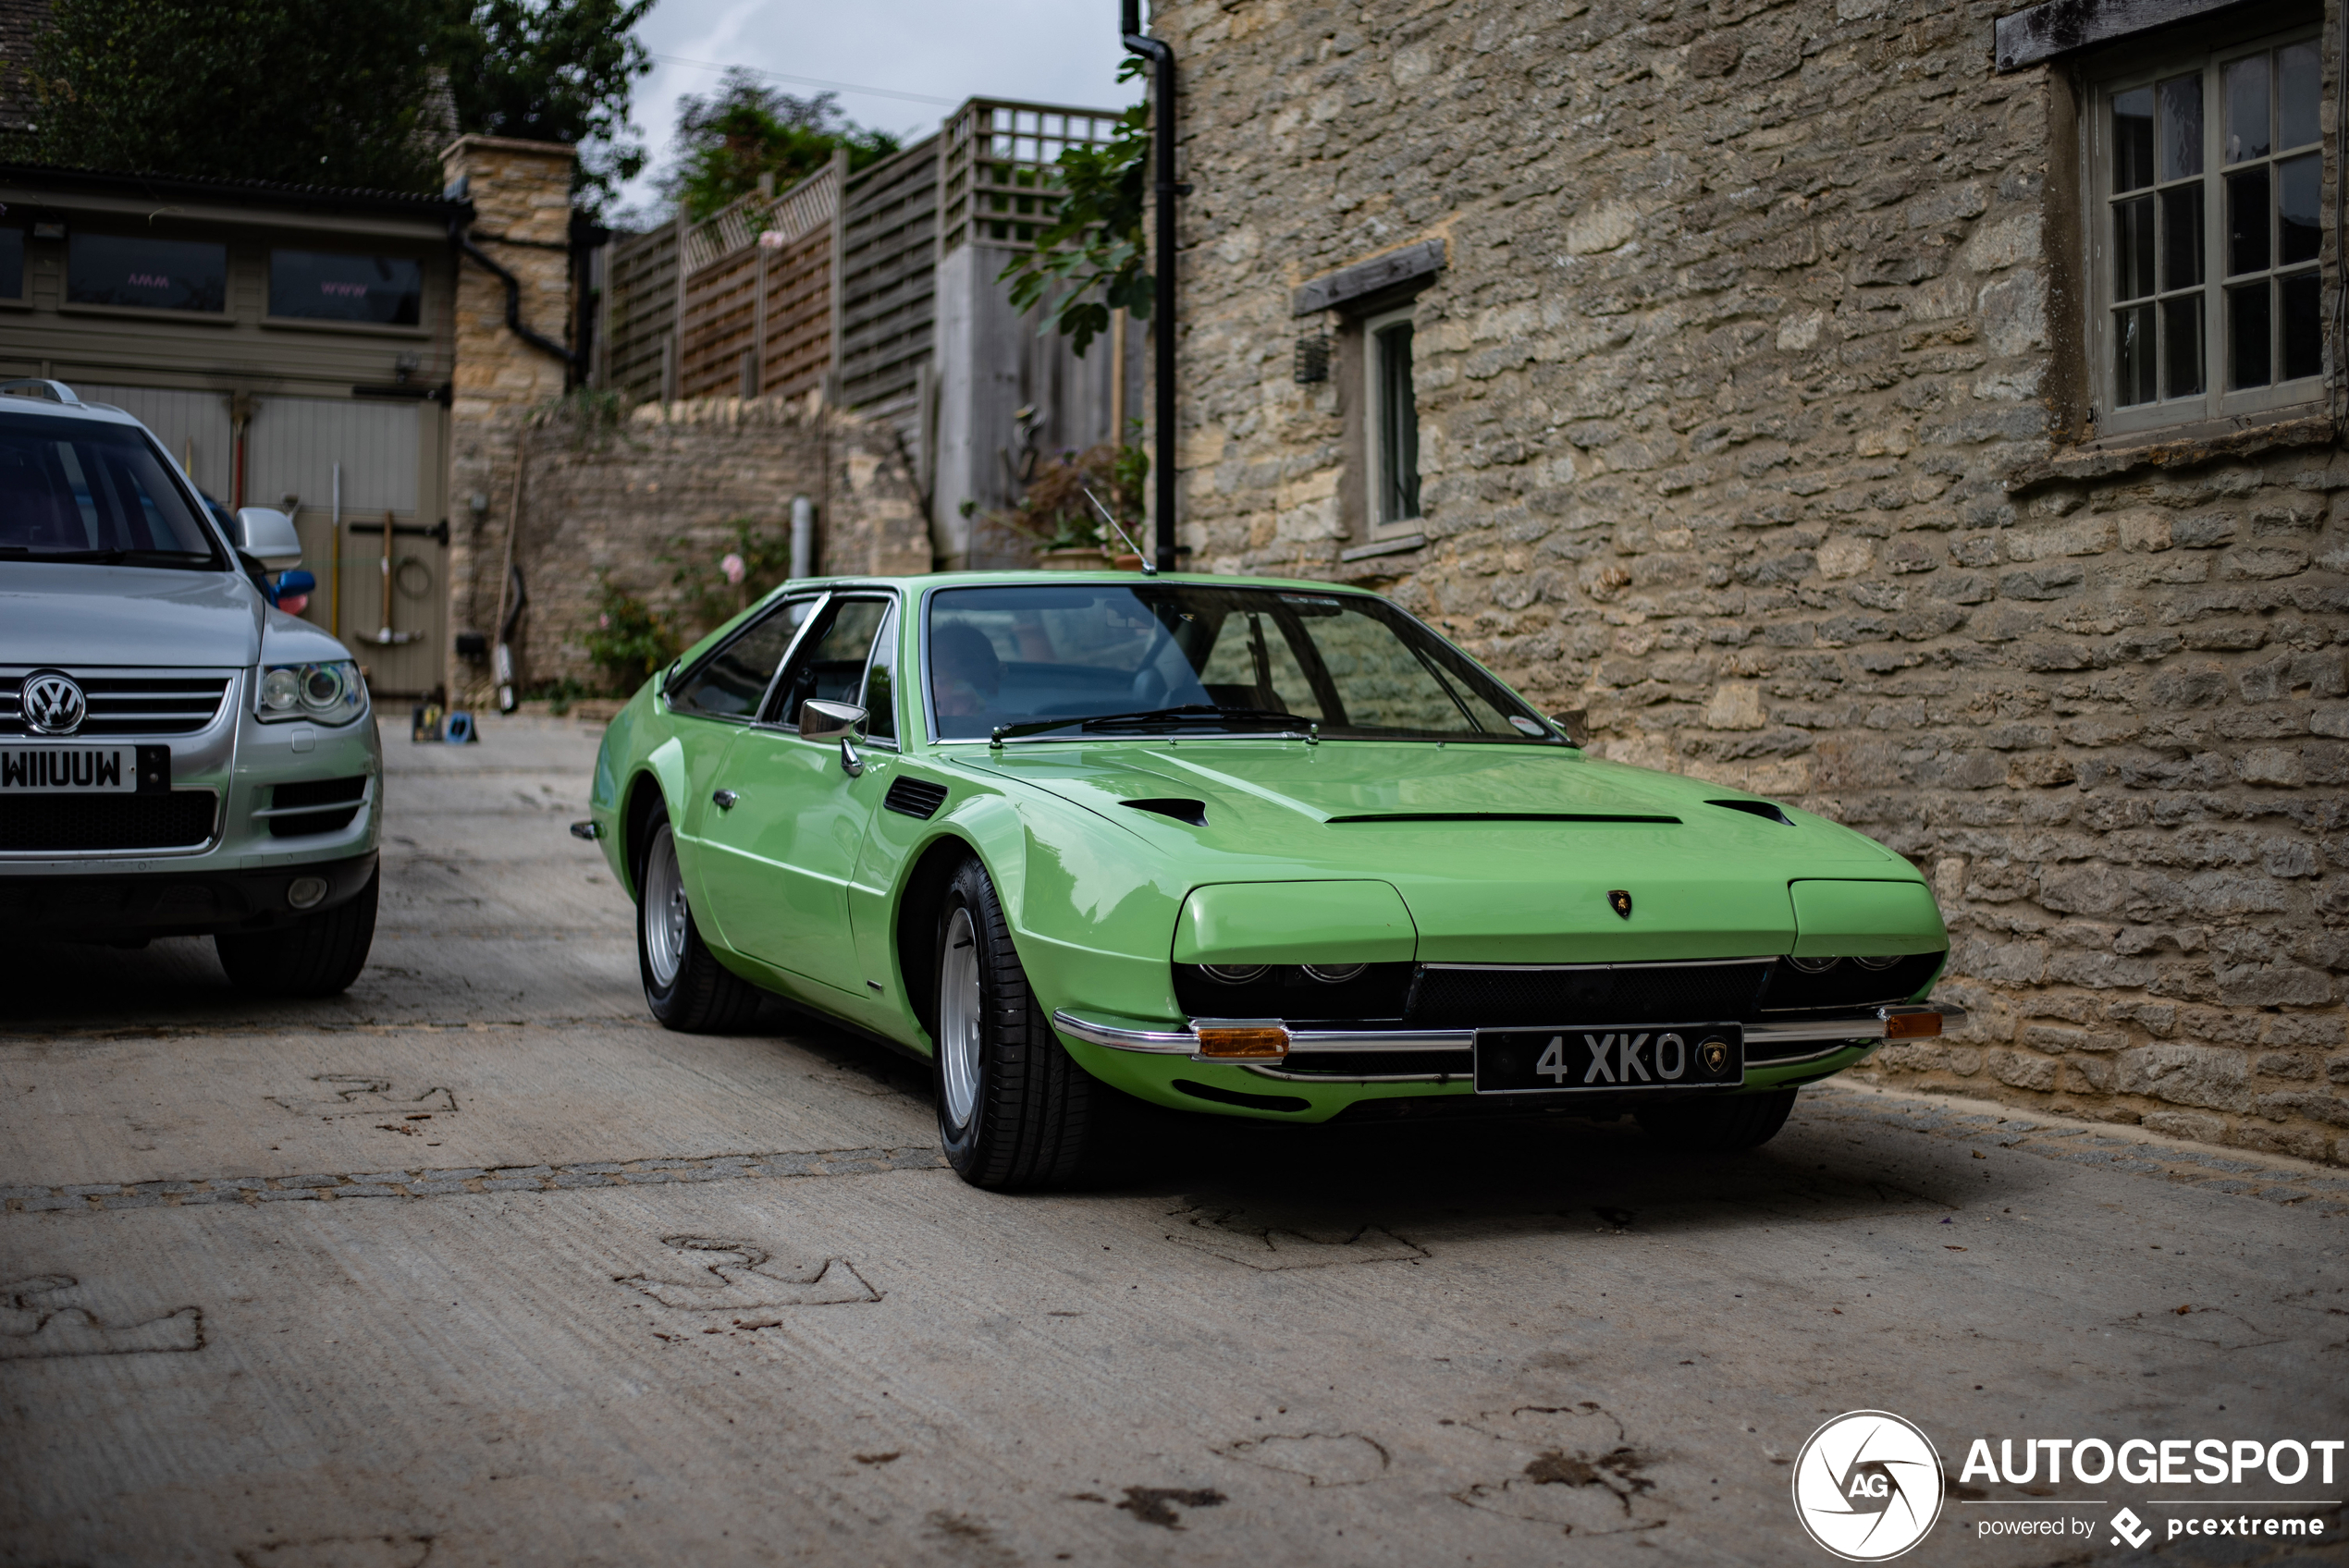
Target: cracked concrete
[[628, 1296]]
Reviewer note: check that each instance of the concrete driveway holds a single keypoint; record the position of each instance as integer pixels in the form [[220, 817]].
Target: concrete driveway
[[475, 1266]]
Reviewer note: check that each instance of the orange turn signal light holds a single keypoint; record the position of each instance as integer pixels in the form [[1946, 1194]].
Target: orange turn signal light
[[1256, 1042], [1911, 1025]]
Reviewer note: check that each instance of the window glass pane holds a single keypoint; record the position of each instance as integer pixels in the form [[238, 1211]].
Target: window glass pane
[[2247, 349], [2132, 139], [880, 685], [2133, 355], [1398, 427], [730, 685], [11, 264], [2182, 237], [1252, 666], [169, 274], [2297, 80], [2181, 127], [2247, 221], [2182, 345], [86, 484], [2298, 231], [2302, 341], [2133, 249], [2246, 95], [320, 286], [831, 666]]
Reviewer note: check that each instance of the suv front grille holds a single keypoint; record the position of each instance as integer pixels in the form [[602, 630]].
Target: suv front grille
[[341, 797], [129, 704], [72, 824]]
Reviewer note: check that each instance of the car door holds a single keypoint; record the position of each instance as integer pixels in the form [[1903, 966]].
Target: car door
[[719, 696], [782, 852]]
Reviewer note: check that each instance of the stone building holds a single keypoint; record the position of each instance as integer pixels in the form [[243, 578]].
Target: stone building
[[1923, 414]]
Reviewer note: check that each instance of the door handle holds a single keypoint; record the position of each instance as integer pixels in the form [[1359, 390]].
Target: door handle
[[724, 800], [850, 763]]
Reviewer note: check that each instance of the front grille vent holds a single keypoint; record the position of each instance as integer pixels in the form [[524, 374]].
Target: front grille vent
[[1621, 993], [914, 797], [73, 824], [127, 705], [345, 795]]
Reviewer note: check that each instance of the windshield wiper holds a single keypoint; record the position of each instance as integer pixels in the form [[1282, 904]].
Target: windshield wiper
[[1188, 712]]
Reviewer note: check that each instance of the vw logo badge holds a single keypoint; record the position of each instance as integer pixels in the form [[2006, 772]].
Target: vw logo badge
[[53, 704]]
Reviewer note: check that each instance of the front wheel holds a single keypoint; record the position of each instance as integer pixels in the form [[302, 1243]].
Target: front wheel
[[318, 955], [1014, 1111], [686, 988], [1719, 1126]]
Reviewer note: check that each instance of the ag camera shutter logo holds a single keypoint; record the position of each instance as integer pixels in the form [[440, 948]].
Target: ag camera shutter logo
[[1867, 1486]]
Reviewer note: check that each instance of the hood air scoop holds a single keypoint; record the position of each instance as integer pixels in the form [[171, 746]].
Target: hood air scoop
[[1502, 817], [1192, 811]]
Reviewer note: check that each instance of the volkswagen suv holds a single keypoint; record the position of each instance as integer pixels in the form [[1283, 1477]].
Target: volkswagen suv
[[177, 757]]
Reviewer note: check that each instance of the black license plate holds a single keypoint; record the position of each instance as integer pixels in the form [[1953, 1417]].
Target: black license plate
[[1609, 1059], [63, 768]]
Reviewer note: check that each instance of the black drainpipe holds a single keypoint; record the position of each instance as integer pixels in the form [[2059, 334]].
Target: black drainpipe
[[459, 237], [1162, 60]]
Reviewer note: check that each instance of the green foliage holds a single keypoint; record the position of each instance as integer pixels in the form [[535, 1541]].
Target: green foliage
[[630, 641], [1096, 241], [746, 130], [1056, 515], [551, 70], [355, 93], [709, 595], [307, 92], [558, 694]]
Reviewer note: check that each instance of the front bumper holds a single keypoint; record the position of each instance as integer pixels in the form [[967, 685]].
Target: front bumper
[[1782, 1043], [171, 899]]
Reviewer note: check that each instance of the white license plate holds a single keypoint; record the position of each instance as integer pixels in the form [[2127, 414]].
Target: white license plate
[[68, 770]]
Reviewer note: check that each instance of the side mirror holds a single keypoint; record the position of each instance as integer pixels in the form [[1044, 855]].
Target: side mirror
[[268, 536], [821, 720]]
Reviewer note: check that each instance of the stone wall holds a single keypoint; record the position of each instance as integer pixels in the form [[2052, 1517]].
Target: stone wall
[[610, 500], [1749, 400]]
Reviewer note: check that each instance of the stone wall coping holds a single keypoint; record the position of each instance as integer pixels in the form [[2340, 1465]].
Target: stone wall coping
[[2185, 451], [1368, 277], [471, 143], [2040, 33]]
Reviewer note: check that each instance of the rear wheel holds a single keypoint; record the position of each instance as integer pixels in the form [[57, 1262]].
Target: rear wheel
[[1013, 1110], [1722, 1126], [318, 955], [686, 988]]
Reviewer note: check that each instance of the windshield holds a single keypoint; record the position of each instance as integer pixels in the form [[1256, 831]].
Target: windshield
[[1175, 658], [85, 490]]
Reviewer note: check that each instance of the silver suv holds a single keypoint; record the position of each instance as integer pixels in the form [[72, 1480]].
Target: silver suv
[[177, 757]]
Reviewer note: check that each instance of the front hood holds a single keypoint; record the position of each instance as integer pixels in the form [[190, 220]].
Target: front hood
[[79, 616], [1502, 853]]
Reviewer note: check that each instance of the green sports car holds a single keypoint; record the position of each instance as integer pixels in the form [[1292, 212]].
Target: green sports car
[[1262, 849]]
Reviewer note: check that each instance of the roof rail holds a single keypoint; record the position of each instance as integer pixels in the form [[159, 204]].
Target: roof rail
[[35, 386]]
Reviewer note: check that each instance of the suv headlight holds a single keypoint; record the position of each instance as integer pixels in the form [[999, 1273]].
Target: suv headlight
[[322, 693]]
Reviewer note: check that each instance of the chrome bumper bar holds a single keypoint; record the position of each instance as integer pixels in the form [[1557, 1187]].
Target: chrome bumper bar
[[1872, 1023]]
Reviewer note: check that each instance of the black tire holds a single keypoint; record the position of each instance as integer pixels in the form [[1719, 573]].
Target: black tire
[[318, 955], [1722, 1126], [1025, 1115], [702, 996]]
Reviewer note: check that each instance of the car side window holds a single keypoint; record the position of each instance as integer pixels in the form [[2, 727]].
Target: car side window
[[880, 684], [730, 683], [830, 661]]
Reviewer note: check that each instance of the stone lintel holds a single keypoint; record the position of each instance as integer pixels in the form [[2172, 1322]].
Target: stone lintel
[[2041, 34], [2179, 449], [1368, 277]]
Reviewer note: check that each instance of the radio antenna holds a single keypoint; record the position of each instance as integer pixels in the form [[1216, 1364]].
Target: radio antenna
[[1147, 569]]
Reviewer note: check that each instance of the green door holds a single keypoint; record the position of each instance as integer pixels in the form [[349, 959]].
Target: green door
[[777, 861]]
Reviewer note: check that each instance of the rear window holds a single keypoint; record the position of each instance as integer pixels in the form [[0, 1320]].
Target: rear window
[[84, 490]]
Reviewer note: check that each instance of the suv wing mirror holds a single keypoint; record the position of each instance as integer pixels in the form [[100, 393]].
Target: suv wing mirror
[[822, 720], [268, 536]]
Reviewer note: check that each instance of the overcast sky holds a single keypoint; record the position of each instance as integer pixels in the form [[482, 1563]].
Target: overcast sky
[[934, 52]]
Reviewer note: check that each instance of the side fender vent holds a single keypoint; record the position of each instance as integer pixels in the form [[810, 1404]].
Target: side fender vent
[[1192, 811], [1762, 809], [914, 797]]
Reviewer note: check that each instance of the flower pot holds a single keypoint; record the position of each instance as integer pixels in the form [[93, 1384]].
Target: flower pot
[[1082, 557]]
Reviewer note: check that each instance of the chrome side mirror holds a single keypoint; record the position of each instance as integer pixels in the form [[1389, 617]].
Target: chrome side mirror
[[822, 720], [268, 536]]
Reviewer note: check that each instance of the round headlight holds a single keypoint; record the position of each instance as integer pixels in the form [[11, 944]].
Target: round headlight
[[280, 689], [1234, 973], [1885, 963], [321, 686], [1814, 966], [1333, 973]]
